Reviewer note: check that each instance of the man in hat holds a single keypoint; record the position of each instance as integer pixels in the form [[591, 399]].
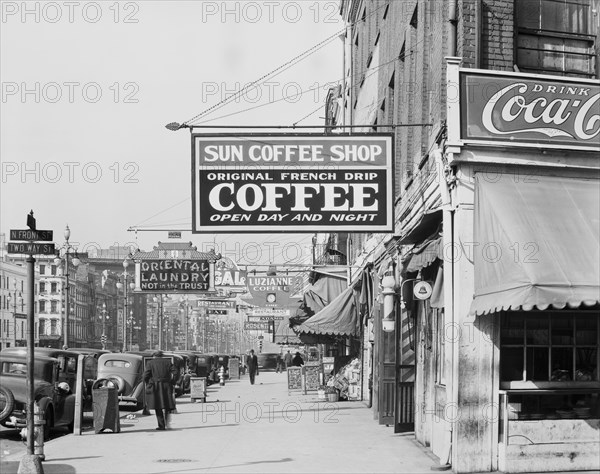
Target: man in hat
[[159, 377], [252, 364]]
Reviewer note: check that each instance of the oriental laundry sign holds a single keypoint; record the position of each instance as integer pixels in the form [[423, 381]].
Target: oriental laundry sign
[[525, 109], [294, 183], [174, 275]]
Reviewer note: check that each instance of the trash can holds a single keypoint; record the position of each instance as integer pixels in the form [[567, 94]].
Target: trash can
[[106, 409]]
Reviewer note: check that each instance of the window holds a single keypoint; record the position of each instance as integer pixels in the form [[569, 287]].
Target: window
[[53, 287], [42, 306], [42, 327], [549, 347], [42, 287], [53, 327], [555, 37], [53, 269], [53, 306], [42, 269]]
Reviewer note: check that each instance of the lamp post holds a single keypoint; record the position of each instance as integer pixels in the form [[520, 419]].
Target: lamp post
[[14, 298], [123, 285], [105, 317], [160, 299], [185, 307], [75, 261]]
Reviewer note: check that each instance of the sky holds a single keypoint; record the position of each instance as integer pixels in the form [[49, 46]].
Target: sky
[[88, 87]]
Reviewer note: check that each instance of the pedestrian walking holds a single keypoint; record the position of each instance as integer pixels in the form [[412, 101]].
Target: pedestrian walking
[[279, 361], [159, 377], [287, 358], [298, 361], [252, 364]]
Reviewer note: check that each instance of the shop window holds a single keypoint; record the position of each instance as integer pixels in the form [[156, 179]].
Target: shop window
[[555, 37], [550, 347]]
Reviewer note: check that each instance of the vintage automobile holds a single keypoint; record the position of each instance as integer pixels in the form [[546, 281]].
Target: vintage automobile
[[267, 361], [54, 397], [125, 372], [206, 367]]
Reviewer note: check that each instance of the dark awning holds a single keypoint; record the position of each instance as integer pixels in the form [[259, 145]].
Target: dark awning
[[331, 282], [339, 318], [538, 243], [427, 225]]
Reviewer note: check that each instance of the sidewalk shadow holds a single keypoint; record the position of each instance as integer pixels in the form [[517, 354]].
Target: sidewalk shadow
[[12, 467]]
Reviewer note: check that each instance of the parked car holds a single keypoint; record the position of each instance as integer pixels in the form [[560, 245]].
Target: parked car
[[54, 397], [267, 361], [205, 366], [125, 372]]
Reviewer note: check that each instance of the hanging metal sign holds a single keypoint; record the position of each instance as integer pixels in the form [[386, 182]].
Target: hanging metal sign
[[292, 183]]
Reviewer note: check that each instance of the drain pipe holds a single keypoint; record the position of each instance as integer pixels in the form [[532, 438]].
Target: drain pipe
[[453, 22]]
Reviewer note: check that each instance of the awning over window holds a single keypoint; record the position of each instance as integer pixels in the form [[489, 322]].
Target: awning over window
[[427, 225], [537, 243], [331, 282], [339, 318]]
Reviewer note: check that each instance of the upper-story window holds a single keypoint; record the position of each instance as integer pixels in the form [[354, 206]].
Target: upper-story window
[[555, 37]]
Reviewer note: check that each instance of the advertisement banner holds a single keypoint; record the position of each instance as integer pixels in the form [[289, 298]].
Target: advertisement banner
[[273, 291], [216, 304], [174, 275], [292, 183], [529, 110]]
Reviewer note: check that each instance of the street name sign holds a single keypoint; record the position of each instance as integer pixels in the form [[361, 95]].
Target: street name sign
[[28, 234], [269, 312], [256, 326], [31, 248], [265, 318]]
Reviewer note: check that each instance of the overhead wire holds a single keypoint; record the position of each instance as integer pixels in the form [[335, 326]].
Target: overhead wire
[[283, 67]]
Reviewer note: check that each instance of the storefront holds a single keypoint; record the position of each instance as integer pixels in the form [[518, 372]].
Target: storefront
[[512, 383]]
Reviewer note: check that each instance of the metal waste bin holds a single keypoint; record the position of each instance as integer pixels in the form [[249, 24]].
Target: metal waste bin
[[106, 409]]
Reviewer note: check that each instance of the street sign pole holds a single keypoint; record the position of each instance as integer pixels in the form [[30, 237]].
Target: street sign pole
[[30, 354]]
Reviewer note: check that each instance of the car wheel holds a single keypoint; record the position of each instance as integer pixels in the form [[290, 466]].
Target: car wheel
[[7, 403], [49, 418]]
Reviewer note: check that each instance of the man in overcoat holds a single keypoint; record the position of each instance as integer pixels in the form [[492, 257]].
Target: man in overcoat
[[159, 377], [252, 364]]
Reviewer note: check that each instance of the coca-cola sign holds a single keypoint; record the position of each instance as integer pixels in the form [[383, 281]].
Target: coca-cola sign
[[530, 110]]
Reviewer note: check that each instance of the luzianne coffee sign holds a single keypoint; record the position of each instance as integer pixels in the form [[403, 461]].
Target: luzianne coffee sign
[[525, 109], [174, 275], [298, 183]]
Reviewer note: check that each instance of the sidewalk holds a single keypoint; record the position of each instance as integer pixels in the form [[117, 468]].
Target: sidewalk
[[242, 428]]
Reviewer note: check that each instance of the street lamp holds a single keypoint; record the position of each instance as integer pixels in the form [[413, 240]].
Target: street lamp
[[105, 317], [123, 285], [160, 299], [14, 298], [184, 302], [75, 261]]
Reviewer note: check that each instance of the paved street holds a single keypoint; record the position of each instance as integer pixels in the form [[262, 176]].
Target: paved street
[[242, 428]]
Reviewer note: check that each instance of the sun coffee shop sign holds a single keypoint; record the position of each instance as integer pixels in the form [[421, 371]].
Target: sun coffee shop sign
[[529, 110], [297, 183]]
